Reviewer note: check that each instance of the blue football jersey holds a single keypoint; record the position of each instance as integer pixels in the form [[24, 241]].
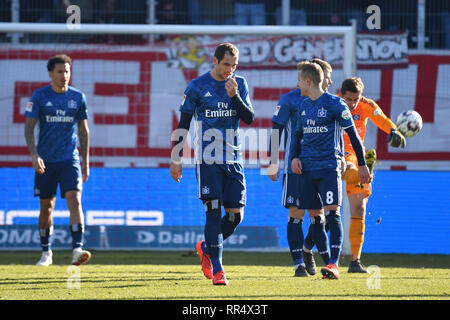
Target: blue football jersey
[[286, 114], [58, 114], [216, 123], [322, 122]]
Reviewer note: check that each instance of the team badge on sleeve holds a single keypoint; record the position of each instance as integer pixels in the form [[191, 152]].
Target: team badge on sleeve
[[29, 106], [277, 110], [322, 113], [377, 112], [346, 114]]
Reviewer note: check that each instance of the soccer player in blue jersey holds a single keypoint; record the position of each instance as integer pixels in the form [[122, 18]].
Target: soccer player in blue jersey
[[285, 119], [60, 110], [217, 100], [317, 150]]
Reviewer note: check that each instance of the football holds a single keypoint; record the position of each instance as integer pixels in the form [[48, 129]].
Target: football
[[409, 123]]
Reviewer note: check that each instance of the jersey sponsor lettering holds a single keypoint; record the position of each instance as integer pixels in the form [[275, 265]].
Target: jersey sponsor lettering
[[57, 114], [322, 122], [213, 110]]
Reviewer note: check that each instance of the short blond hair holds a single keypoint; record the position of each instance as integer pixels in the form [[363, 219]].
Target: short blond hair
[[311, 70], [323, 64]]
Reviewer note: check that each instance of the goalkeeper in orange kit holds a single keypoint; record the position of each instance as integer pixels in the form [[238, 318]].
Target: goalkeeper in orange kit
[[358, 194]]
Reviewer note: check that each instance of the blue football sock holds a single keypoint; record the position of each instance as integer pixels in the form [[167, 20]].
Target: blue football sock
[[309, 242], [320, 238], [204, 247], [214, 238], [336, 235], [295, 240], [45, 235], [77, 231]]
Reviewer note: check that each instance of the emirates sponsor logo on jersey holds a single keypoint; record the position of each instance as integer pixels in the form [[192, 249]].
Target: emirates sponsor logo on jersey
[[312, 128], [221, 112], [59, 117]]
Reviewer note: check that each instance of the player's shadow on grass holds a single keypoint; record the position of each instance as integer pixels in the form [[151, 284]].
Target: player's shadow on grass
[[230, 258]]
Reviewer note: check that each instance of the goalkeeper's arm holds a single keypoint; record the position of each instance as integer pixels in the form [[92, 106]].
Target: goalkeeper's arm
[[396, 139]]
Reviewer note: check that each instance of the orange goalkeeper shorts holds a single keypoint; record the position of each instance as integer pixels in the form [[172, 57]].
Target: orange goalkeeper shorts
[[353, 188]]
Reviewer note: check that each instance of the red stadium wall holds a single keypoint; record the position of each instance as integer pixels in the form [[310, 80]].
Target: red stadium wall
[[133, 100]]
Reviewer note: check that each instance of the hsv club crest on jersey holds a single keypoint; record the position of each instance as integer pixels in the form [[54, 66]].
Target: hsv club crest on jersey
[[322, 122], [58, 114]]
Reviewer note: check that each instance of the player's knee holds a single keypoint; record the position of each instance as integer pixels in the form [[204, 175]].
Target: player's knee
[[332, 210], [235, 218], [73, 198], [213, 205], [296, 213], [320, 219], [213, 212], [47, 206]]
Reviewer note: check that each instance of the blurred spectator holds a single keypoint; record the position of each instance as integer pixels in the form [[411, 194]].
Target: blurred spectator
[[297, 15], [194, 11], [437, 24], [86, 9], [5, 10], [37, 10], [134, 11], [106, 11], [356, 10], [319, 12], [446, 28], [250, 12], [216, 12], [172, 12]]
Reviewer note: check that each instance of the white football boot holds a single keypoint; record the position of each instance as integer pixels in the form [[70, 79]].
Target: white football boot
[[80, 256], [46, 259]]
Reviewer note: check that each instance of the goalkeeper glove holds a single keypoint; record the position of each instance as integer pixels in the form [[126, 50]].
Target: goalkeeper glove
[[396, 139]]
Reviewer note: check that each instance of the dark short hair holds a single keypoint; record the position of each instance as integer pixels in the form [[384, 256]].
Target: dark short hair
[[353, 84], [224, 48], [311, 70], [60, 58]]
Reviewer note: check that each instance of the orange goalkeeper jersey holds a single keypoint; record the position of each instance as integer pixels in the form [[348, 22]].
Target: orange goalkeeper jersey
[[367, 109]]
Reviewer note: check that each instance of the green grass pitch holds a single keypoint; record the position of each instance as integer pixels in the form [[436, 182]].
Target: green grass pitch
[[171, 275]]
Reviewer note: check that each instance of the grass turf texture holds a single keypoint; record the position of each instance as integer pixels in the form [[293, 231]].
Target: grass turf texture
[[253, 276]]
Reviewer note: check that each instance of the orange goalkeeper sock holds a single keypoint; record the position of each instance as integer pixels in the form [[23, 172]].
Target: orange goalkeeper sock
[[356, 235], [351, 176]]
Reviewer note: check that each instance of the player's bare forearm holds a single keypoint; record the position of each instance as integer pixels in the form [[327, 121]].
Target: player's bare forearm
[[30, 123], [36, 161], [83, 136]]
